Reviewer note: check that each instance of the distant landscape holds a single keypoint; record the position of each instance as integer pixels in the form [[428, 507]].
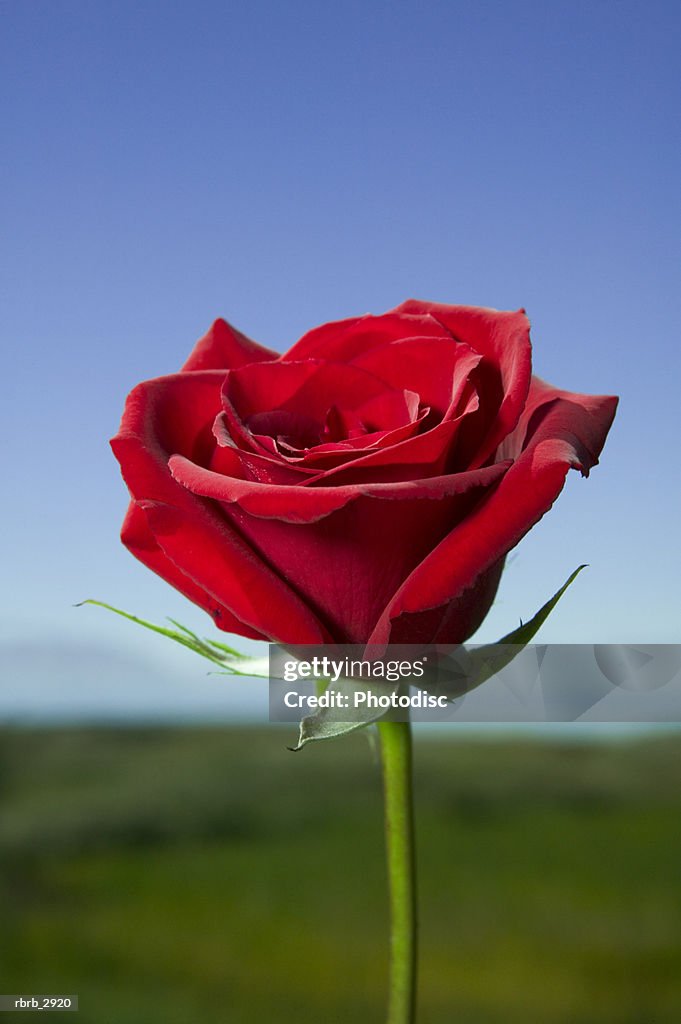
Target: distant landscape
[[208, 874], [51, 682]]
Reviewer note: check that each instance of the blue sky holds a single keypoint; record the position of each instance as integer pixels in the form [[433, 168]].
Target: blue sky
[[287, 164]]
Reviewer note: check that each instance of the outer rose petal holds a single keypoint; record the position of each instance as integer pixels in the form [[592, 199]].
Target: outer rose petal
[[223, 347], [334, 545], [568, 434], [292, 503], [454, 622], [138, 538], [571, 421], [175, 414]]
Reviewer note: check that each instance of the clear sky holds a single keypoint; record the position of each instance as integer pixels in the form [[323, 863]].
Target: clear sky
[[284, 164]]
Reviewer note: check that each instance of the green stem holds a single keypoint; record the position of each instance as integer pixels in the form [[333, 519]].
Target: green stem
[[399, 827]]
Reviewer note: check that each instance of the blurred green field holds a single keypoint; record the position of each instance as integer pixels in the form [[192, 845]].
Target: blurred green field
[[208, 875]]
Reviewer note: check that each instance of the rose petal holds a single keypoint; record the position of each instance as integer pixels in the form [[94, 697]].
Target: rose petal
[[174, 413], [271, 467], [503, 339], [426, 454], [346, 559], [138, 538], [454, 622], [410, 363], [311, 388], [296, 504], [345, 339], [390, 409], [223, 348], [227, 458], [346, 453], [568, 434], [571, 419], [171, 414]]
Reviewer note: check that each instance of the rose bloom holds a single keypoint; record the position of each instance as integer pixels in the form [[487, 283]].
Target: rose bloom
[[365, 487]]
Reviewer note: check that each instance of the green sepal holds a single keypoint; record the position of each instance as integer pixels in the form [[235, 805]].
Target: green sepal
[[231, 662], [526, 631], [328, 723], [487, 660]]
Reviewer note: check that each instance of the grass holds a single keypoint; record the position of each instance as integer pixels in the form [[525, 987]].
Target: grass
[[207, 874]]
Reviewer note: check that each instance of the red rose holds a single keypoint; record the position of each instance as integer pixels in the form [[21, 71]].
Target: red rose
[[366, 486]]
